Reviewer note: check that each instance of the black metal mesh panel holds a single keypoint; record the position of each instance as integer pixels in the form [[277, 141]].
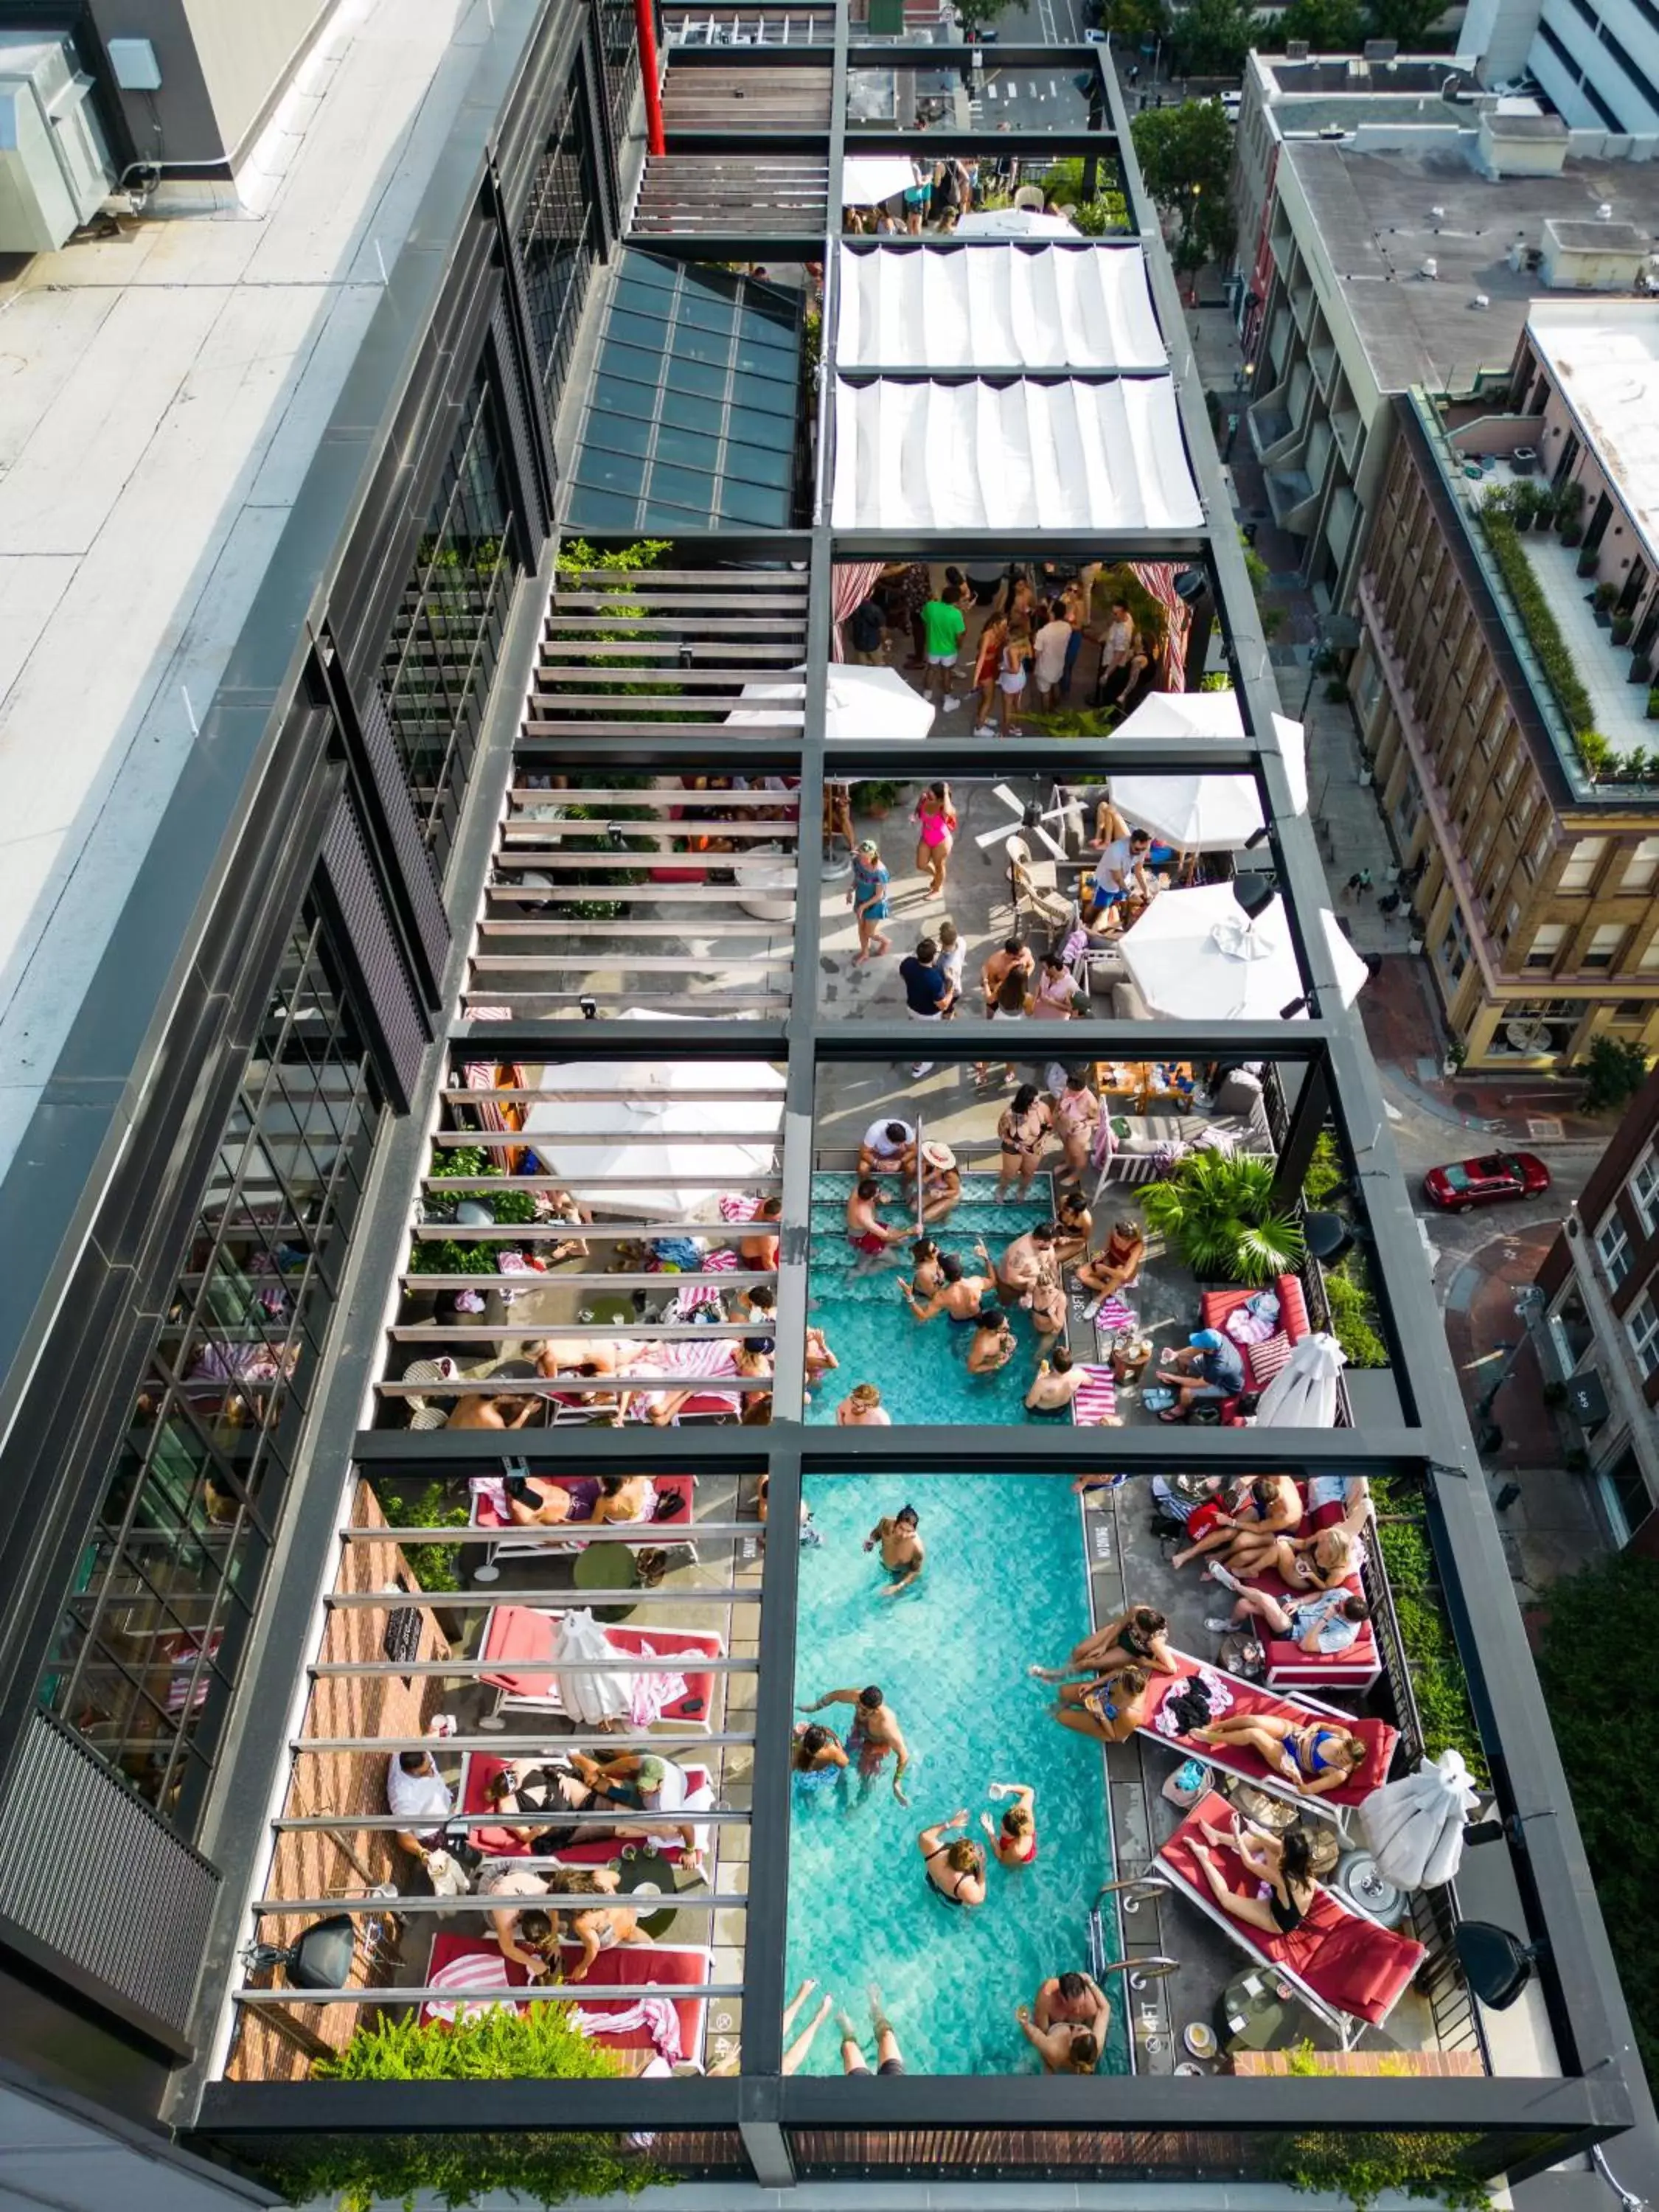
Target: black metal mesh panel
[[391, 1011], [530, 503], [91, 1871], [415, 861]]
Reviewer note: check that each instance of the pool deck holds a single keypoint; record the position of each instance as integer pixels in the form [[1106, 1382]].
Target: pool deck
[[1128, 1565]]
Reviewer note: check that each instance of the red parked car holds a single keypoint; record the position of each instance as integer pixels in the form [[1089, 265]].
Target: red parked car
[[1484, 1181]]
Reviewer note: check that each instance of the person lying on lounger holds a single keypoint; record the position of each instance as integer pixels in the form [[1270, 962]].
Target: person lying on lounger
[[1245, 1525], [1283, 1864], [1311, 1755]]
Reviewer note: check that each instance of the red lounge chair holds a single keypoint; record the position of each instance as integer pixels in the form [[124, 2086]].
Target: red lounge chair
[[1215, 1306], [543, 1542], [518, 1635], [1345, 1966], [1288, 1666], [1378, 1736], [478, 1770], [472, 1963]]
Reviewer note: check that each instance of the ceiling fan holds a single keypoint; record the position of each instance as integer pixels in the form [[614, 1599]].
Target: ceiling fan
[[1030, 818]]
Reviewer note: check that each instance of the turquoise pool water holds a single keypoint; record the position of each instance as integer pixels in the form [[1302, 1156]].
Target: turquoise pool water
[[1004, 1584], [921, 1372]]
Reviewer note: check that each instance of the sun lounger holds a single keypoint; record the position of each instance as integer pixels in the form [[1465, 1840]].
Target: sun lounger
[[488, 1511], [1378, 1737], [1349, 1968], [519, 1635], [1288, 1665], [479, 1770], [473, 1968]]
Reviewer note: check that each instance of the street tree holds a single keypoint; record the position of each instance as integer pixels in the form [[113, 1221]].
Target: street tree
[[1330, 27], [1407, 21], [976, 14], [1185, 157], [1211, 37]]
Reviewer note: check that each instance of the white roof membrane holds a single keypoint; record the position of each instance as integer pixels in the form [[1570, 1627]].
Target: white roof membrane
[[1051, 305]]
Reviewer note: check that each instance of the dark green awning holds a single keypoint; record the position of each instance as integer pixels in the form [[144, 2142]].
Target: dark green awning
[[694, 408]]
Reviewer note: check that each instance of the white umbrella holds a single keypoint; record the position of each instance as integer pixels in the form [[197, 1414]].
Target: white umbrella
[[1199, 813], [1195, 954], [860, 704], [1413, 1829], [591, 1700], [665, 1155], [1215, 714], [1302, 1394], [1015, 222], [867, 180]]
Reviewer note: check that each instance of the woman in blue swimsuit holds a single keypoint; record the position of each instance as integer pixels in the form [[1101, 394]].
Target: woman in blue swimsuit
[[1109, 1708], [1312, 1756], [817, 1762]]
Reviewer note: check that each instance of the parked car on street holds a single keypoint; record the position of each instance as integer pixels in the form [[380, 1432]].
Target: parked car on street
[[1484, 1181]]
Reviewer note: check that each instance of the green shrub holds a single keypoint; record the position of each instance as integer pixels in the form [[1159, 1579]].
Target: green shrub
[[1217, 680], [512, 1206], [434, 1566], [1362, 2168], [1219, 1214], [1324, 1174], [1614, 1069], [469, 1160], [445, 1256], [1354, 1315], [1438, 1681], [502, 2044], [1538, 617], [1600, 1627]]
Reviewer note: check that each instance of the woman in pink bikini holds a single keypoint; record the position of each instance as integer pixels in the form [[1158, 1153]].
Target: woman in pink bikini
[[936, 835], [1015, 1843]]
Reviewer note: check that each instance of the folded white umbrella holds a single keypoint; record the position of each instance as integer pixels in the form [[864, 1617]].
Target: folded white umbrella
[[1302, 1394], [860, 704], [651, 1154], [1015, 222], [867, 180], [1199, 813], [588, 1699], [1413, 1829], [1194, 955]]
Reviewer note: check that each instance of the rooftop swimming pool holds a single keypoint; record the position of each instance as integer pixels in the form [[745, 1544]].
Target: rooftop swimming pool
[[1004, 1584], [921, 1372]]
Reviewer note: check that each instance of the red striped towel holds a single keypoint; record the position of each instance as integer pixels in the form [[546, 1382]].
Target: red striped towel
[[1096, 1401], [739, 1206], [1114, 1315]]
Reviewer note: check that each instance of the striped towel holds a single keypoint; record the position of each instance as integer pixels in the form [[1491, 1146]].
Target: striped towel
[[1114, 1315], [1096, 1401], [728, 1257], [738, 1206], [472, 1970]]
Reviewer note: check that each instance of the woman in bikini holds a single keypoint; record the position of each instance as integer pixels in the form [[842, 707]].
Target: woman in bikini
[[1312, 1756], [1015, 1842], [1076, 1117], [1022, 1131], [936, 832], [1109, 1708], [1115, 1268], [1010, 681], [956, 1867], [597, 1927], [818, 1761], [1138, 1638], [1282, 1864]]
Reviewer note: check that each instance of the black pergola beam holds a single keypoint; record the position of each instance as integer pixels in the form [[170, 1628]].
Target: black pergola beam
[[770, 245]]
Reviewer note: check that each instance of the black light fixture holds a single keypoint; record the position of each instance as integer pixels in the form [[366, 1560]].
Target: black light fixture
[[1326, 1235], [1257, 837], [1496, 1965], [1289, 1012], [590, 1007], [1254, 893], [320, 1958]]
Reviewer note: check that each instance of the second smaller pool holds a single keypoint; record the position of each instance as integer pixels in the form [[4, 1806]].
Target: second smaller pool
[[921, 1370]]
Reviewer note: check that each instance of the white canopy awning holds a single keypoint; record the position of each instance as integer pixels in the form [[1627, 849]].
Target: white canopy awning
[[1199, 813], [1016, 223], [975, 456], [860, 704], [1073, 306], [1215, 714]]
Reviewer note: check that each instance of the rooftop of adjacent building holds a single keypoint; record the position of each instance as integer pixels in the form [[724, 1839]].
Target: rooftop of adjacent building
[[1383, 214], [166, 387], [1604, 360]]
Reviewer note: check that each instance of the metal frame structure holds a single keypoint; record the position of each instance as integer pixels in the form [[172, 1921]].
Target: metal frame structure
[[759, 2125]]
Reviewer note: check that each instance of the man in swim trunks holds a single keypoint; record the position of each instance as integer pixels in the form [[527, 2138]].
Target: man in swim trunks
[[1071, 2001], [958, 1296], [874, 1735], [1025, 1264], [888, 2060], [866, 1229], [1058, 1381], [901, 1550]]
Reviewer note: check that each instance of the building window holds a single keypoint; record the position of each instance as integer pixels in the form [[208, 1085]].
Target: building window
[[1613, 1248], [620, 55], [1605, 944], [150, 1642], [442, 657], [1455, 946], [1644, 1189], [559, 242], [1633, 1013], [1547, 941], [1642, 1327], [1649, 959], [1642, 869], [1578, 869]]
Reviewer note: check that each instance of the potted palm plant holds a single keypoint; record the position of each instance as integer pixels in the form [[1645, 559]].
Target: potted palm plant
[[1217, 1212]]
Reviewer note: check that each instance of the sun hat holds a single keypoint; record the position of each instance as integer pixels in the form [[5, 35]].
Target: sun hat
[[938, 1156]]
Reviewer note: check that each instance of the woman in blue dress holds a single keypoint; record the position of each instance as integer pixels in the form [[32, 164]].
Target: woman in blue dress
[[868, 900]]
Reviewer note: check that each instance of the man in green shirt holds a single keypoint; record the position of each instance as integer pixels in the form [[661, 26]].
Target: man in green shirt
[[941, 628]]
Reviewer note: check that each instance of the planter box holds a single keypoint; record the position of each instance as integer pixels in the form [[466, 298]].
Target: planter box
[[1433, 2064]]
